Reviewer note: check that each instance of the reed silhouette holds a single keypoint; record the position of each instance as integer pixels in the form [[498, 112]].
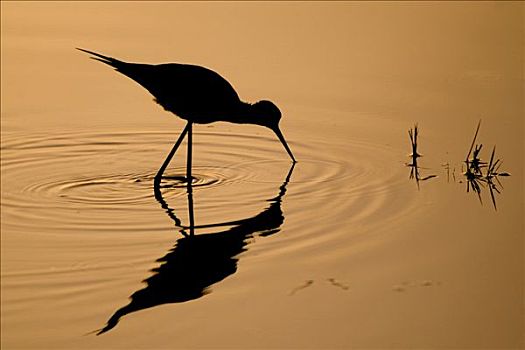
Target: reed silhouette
[[198, 95], [196, 262], [414, 156], [479, 173]]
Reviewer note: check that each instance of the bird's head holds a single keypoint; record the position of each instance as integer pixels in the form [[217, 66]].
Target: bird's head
[[268, 114]]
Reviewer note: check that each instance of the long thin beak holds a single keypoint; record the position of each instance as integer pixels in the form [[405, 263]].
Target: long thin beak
[[283, 141]]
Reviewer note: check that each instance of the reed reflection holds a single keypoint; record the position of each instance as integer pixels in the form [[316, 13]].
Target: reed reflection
[[196, 262]]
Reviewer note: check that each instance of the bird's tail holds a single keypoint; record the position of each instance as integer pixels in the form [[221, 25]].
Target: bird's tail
[[113, 62]]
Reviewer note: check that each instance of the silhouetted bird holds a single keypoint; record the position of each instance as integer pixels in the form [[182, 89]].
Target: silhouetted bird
[[198, 95]]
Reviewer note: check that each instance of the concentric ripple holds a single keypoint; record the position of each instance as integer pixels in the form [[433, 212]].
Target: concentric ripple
[[83, 182]]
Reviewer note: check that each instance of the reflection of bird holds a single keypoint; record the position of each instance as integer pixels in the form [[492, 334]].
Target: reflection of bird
[[198, 261], [198, 95]]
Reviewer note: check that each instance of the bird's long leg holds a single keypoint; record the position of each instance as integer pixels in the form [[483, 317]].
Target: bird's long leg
[[188, 160], [189, 179], [158, 177]]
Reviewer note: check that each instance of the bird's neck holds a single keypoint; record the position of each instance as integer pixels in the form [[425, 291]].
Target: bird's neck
[[246, 114]]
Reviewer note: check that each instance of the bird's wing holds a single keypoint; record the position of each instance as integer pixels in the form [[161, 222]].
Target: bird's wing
[[189, 91]]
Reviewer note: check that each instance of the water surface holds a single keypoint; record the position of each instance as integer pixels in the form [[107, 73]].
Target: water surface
[[342, 250]]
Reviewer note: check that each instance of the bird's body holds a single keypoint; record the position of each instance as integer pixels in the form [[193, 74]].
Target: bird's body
[[197, 95], [193, 93]]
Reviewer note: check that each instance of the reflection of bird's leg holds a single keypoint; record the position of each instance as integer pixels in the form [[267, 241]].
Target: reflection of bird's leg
[[158, 177], [190, 211]]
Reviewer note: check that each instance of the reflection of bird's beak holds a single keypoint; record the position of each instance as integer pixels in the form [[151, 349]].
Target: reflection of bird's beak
[[283, 141]]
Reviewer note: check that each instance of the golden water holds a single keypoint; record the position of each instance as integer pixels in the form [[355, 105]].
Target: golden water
[[340, 251]]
